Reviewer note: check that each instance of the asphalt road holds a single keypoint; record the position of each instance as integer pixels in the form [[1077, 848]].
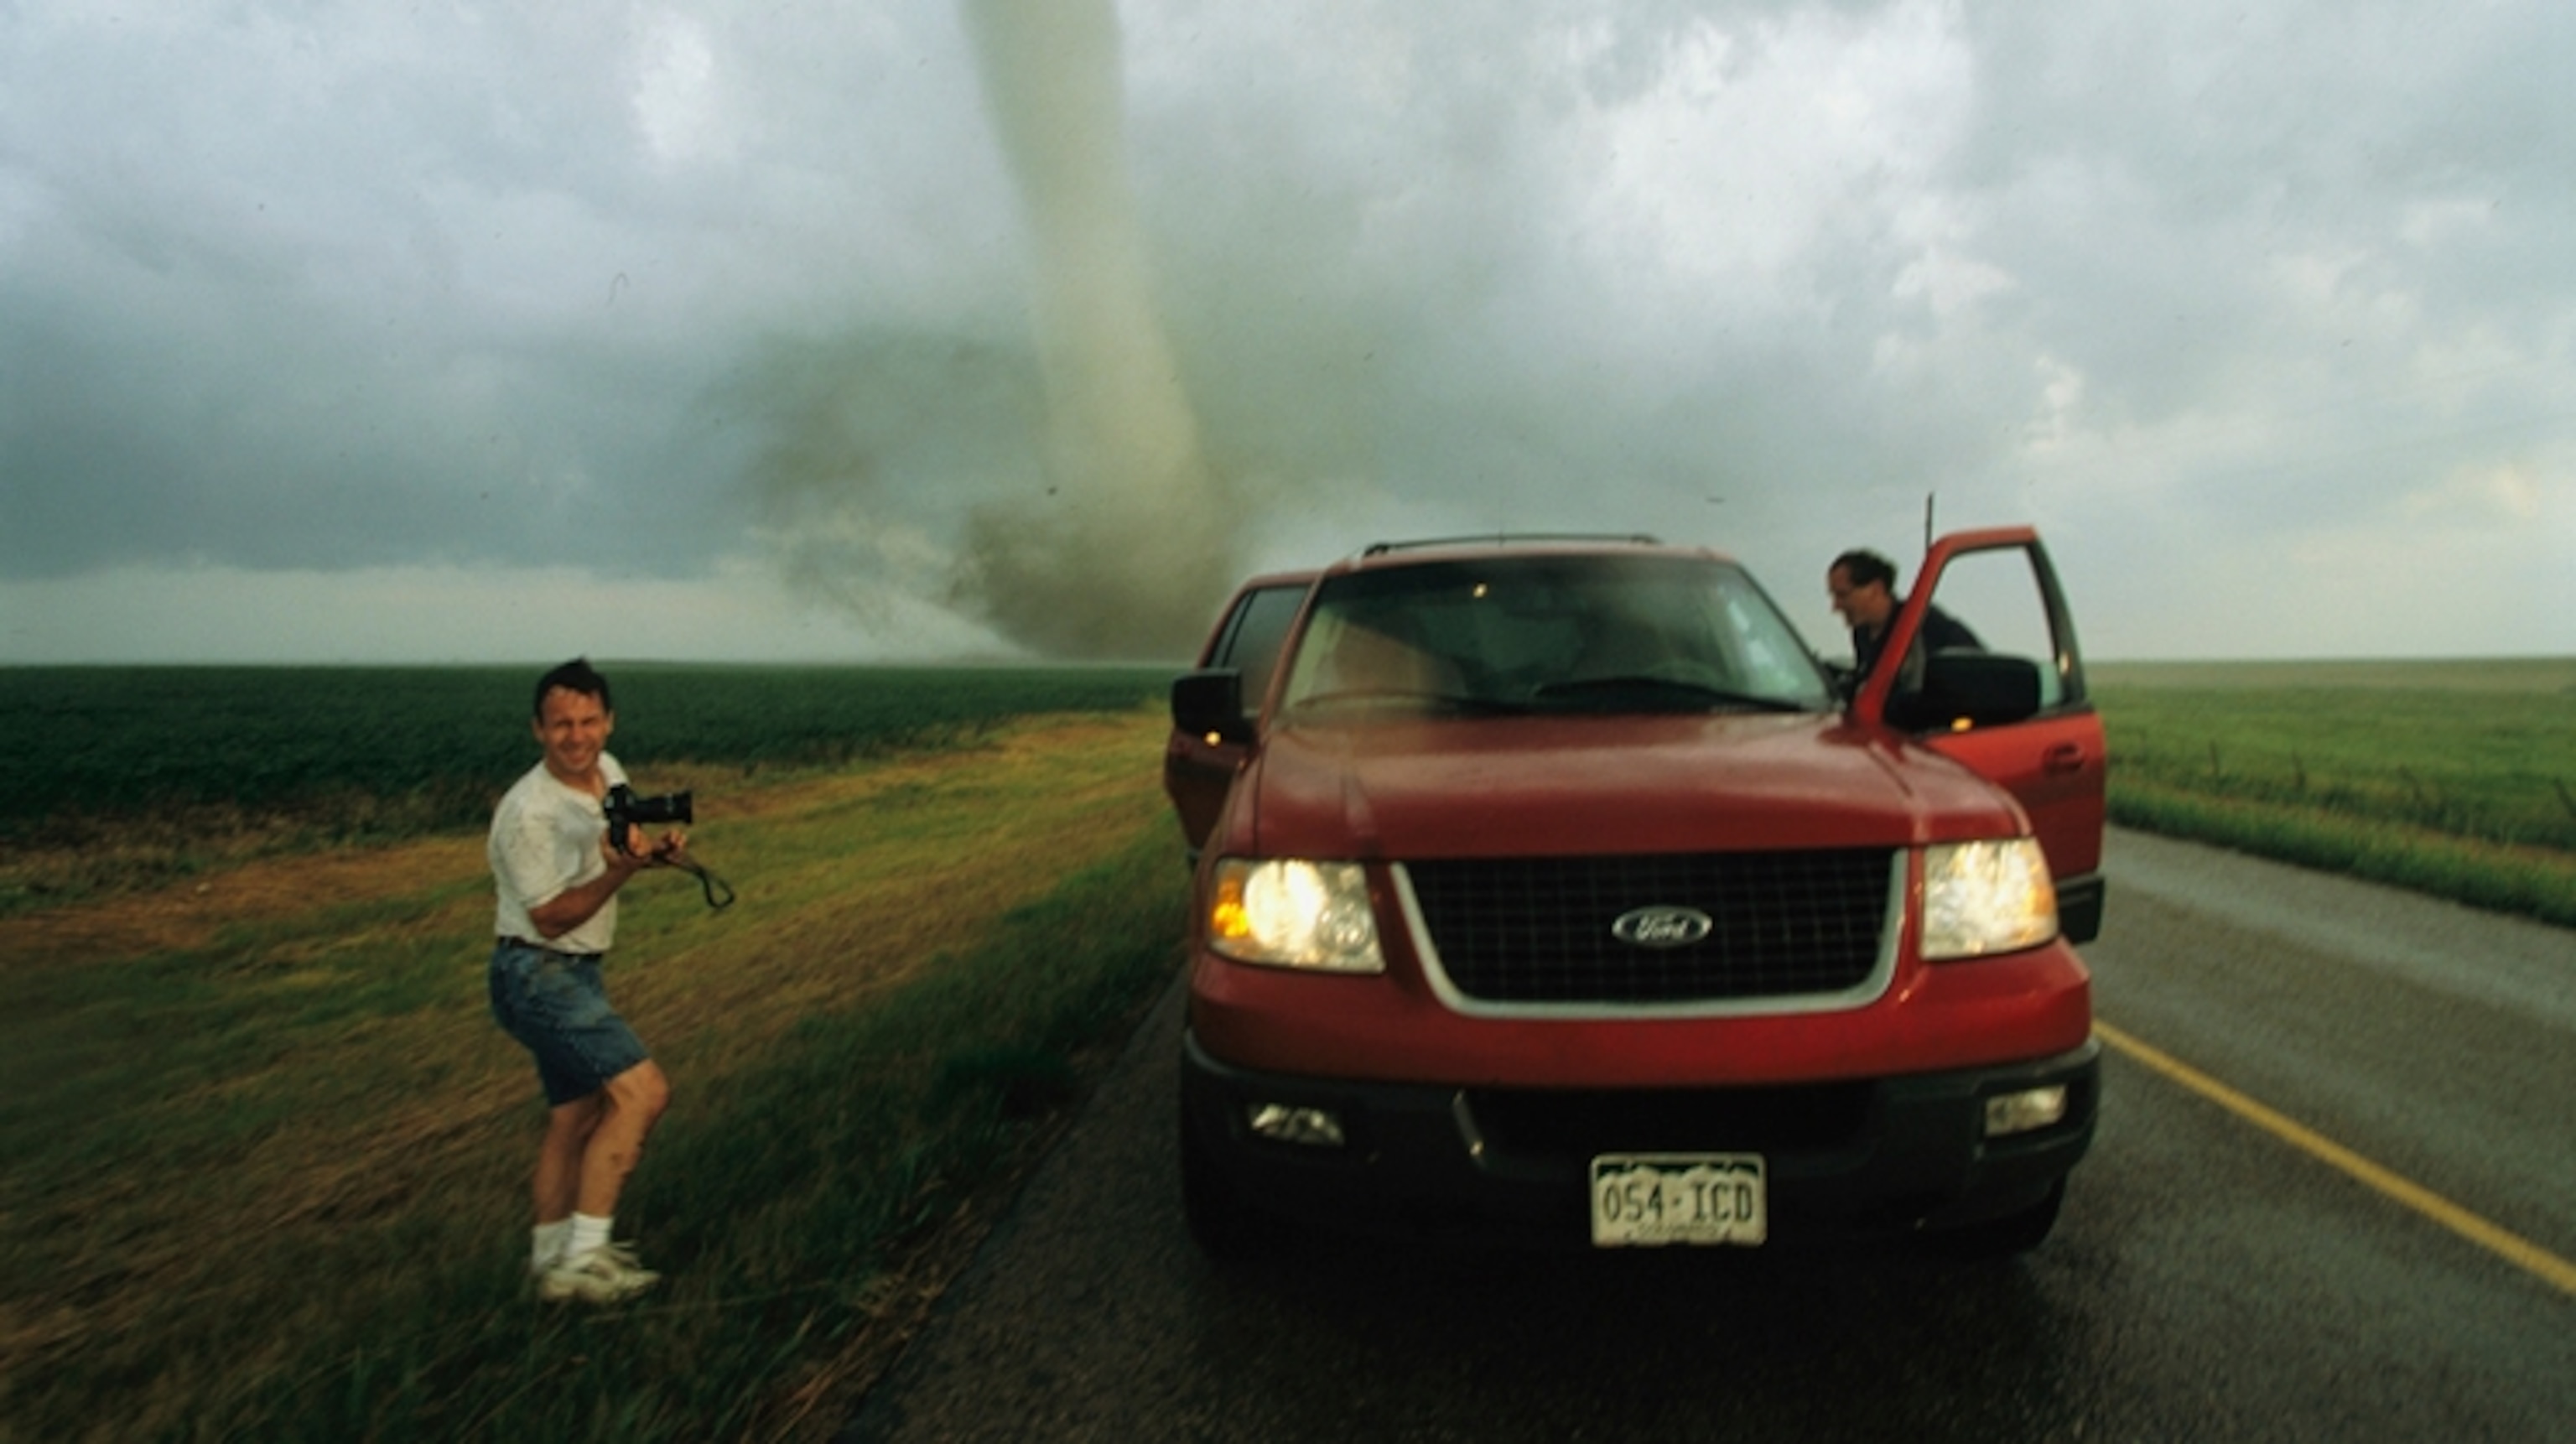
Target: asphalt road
[[2371, 1259]]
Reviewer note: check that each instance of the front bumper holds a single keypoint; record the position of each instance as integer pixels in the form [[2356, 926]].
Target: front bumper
[[1872, 1155]]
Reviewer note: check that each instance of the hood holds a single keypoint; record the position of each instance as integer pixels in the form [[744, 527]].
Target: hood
[[1565, 786]]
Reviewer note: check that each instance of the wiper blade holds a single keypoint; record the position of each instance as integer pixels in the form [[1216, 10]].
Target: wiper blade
[[1400, 702], [1672, 693]]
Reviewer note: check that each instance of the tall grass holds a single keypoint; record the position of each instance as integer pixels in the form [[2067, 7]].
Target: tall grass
[[773, 1198]]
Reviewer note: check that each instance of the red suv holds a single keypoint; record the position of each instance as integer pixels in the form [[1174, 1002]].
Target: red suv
[[1553, 890]]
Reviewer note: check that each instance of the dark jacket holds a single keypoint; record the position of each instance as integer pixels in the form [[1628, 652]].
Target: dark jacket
[[1941, 633]]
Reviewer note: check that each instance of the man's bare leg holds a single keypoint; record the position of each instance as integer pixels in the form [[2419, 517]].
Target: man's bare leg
[[610, 1135], [568, 1132], [630, 1105]]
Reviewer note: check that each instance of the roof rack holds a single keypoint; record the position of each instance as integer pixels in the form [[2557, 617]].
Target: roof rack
[[1379, 549]]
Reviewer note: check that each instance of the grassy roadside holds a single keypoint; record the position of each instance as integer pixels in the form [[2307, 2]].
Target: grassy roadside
[[925, 946], [2535, 882], [2456, 779]]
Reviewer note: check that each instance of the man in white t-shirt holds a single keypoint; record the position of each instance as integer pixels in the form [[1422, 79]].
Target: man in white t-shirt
[[557, 876]]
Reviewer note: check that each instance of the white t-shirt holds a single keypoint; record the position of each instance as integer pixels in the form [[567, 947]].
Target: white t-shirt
[[545, 839]]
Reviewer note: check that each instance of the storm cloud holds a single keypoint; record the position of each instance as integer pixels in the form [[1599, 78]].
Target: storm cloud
[[498, 312]]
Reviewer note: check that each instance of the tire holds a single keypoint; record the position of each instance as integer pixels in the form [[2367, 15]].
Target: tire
[[2007, 1237]]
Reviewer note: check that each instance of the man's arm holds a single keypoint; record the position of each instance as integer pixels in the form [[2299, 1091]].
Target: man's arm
[[575, 905]]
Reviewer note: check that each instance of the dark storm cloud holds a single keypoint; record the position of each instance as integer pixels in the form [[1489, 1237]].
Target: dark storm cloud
[[261, 442], [317, 288], [2274, 297]]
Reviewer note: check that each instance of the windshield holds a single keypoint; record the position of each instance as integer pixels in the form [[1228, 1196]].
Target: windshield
[[1522, 634]]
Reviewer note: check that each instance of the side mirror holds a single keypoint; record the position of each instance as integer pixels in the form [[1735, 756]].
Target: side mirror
[[1979, 688], [1210, 704]]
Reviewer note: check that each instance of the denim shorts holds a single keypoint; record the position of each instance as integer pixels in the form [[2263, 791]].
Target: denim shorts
[[555, 1004]]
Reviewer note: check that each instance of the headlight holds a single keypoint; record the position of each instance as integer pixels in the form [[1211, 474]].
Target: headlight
[[1292, 914], [1986, 897]]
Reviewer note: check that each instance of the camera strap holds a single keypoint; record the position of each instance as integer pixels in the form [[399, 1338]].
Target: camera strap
[[719, 893]]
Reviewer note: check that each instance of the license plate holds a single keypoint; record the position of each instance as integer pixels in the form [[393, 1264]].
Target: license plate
[[1650, 1199]]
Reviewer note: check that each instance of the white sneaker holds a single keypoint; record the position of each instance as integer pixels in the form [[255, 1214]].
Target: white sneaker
[[605, 1275]]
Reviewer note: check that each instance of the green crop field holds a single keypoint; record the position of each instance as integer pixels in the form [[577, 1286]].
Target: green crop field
[[118, 776], [135, 740], [2455, 778]]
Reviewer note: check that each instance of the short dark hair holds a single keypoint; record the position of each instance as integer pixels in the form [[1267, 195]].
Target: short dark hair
[[576, 675], [1861, 565]]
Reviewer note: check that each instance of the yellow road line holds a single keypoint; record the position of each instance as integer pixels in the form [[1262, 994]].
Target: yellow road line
[[2521, 1252]]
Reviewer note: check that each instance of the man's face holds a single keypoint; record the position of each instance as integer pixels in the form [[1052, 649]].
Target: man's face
[[573, 728], [1866, 606]]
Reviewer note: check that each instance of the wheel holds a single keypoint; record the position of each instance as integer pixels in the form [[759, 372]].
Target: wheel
[[2010, 1236]]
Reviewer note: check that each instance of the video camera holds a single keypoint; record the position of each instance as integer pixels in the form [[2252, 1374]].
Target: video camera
[[627, 810]]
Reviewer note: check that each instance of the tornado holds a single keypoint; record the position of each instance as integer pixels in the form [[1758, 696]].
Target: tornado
[[1128, 547]]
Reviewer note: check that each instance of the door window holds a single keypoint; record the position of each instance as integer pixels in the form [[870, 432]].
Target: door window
[[1252, 639], [2000, 596]]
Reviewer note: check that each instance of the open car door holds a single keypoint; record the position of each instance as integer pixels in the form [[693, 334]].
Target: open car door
[[2012, 709]]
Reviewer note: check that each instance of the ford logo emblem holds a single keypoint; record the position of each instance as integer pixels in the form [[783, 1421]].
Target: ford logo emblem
[[1662, 927]]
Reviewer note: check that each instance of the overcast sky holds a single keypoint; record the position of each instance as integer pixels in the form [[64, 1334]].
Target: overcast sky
[[359, 332]]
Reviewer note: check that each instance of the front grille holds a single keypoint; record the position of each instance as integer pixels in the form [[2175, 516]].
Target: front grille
[[1538, 930]]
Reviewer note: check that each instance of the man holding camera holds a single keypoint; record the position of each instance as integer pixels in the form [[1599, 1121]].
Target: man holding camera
[[558, 864]]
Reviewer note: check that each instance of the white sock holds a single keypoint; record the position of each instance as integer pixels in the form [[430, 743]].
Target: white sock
[[550, 1242], [589, 1235]]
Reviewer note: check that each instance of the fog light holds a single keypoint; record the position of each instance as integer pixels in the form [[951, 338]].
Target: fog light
[[1314, 1127], [2031, 1108]]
